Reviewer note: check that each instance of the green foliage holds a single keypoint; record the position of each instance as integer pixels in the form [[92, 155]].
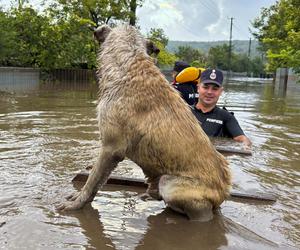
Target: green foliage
[[59, 37], [158, 35], [198, 64], [256, 66], [62, 37], [218, 57], [165, 59], [22, 32], [240, 63], [189, 54], [7, 39], [98, 12], [34, 40], [278, 30], [239, 46]]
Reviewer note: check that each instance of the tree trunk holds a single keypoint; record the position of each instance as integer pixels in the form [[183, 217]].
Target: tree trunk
[[133, 6]]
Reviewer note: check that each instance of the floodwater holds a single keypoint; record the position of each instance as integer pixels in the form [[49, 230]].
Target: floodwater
[[48, 135]]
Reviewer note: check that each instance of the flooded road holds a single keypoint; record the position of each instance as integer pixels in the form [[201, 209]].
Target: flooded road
[[47, 136]]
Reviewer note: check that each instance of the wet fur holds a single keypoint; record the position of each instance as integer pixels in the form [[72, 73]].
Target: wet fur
[[143, 118]]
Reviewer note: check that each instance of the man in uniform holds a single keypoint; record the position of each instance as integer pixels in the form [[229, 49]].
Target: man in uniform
[[187, 89], [214, 120]]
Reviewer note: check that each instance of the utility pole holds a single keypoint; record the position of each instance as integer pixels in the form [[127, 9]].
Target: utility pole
[[249, 53], [230, 46], [249, 48]]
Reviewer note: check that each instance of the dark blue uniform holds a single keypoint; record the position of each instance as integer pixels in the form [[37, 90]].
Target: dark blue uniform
[[188, 92], [218, 122]]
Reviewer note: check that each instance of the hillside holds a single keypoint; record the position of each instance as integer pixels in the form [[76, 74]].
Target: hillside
[[239, 46]]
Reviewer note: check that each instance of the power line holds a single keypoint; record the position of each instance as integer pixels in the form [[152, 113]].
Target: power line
[[241, 31], [210, 3], [208, 6], [180, 24], [212, 11]]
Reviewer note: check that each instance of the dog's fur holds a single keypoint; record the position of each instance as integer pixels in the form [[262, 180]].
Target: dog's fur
[[143, 118]]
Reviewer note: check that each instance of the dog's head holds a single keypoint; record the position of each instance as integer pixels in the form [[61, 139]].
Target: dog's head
[[102, 32], [151, 48]]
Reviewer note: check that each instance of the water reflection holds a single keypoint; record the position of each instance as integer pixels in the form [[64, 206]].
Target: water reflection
[[48, 135], [120, 220]]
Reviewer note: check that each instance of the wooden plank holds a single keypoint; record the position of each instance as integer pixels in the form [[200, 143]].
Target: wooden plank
[[135, 182], [113, 180], [117, 180], [231, 150], [254, 196]]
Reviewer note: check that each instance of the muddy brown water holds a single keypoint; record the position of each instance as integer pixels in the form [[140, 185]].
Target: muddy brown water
[[47, 136]]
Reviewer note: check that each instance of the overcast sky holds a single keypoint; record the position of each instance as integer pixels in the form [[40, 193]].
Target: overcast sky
[[201, 20], [196, 20]]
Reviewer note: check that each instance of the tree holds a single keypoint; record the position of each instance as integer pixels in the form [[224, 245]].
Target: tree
[[133, 4], [98, 12], [218, 57], [62, 35], [7, 39], [158, 35], [278, 30], [239, 62], [257, 66], [23, 43], [76, 19], [190, 55]]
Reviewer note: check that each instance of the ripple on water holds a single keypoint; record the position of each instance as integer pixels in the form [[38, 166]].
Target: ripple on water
[[47, 138]]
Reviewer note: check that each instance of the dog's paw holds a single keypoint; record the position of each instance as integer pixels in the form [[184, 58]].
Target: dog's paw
[[73, 196], [70, 206], [73, 202]]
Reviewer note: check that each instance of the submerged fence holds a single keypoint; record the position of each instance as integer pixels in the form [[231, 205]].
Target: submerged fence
[[13, 79], [68, 78], [70, 75], [18, 79]]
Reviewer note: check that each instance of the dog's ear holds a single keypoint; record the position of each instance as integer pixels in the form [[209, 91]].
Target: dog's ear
[[151, 48], [101, 33]]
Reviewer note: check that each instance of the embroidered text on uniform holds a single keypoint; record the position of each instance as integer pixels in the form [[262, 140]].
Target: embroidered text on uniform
[[214, 120]]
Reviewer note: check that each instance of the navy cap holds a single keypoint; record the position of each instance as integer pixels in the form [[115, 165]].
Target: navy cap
[[180, 65], [212, 76]]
